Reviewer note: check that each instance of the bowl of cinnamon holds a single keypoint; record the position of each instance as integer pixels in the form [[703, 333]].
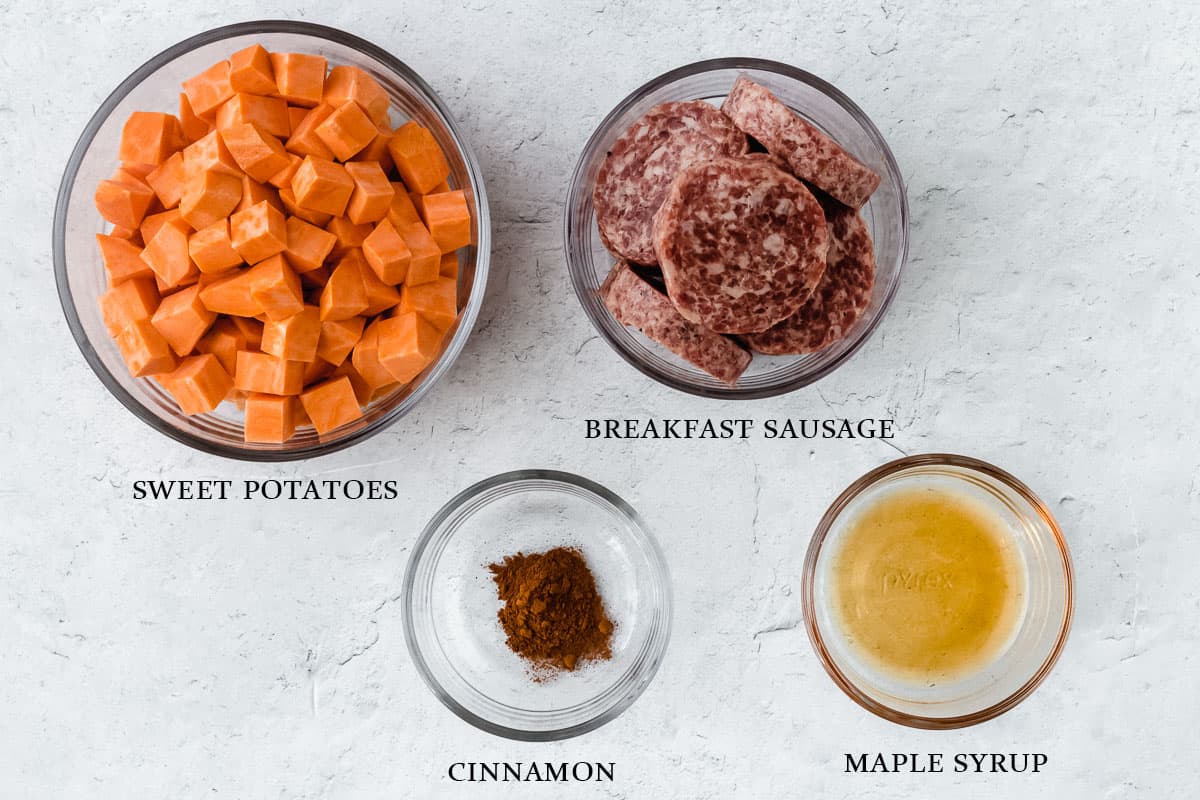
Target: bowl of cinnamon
[[537, 605]]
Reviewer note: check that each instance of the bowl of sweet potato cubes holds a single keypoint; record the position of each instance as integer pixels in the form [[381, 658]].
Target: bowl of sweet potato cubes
[[271, 241]]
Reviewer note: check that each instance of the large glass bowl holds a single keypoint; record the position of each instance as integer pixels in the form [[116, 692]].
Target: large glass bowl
[[80, 271], [450, 604], [886, 215], [1039, 633]]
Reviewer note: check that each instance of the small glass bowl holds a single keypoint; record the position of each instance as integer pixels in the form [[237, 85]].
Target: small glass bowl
[[886, 214], [80, 272], [1041, 631], [450, 604]]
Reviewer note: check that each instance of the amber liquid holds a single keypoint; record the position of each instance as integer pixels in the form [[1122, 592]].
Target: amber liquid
[[927, 585]]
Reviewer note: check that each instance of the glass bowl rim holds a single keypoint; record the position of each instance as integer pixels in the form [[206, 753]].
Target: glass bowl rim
[[136, 78], [644, 667], [595, 311], [871, 478]]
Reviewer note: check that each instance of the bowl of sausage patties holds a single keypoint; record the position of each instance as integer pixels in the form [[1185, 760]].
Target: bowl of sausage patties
[[736, 228]]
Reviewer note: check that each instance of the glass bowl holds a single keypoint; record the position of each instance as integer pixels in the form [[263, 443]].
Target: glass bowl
[[886, 215], [1041, 628], [80, 272], [450, 604]]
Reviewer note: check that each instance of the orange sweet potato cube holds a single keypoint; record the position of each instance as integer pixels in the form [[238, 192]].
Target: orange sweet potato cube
[[268, 113], [258, 232], [122, 259], [250, 71], [167, 254], [372, 196], [182, 319], [418, 158], [347, 130], [448, 267], [378, 152], [212, 250], [123, 203], [208, 90], [250, 328], [289, 204], [127, 302], [257, 152], [436, 302], [153, 222], [232, 294], [150, 137], [407, 344], [426, 256], [338, 337], [352, 83], [299, 77], [144, 349], [193, 126], [402, 211], [343, 295], [387, 253], [198, 384], [303, 140], [296, 115], [315, 278], [275, 287], [223, 340], [270, 419], [293, 338], [284, 177], [209, 154], [209, 196], [307, 245], [322, 185], [254, 193], [380, 296], [347, 235], [365, 360], [168, 180], [447, 217], [331, 404], [263, 372]]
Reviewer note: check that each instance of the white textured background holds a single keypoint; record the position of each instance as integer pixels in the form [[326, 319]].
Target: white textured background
[[1048, 322]]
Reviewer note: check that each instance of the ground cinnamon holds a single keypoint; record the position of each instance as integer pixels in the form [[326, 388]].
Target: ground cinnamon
[[552, 613]]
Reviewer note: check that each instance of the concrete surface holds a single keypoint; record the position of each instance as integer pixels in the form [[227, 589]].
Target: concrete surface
[[1048, 322]]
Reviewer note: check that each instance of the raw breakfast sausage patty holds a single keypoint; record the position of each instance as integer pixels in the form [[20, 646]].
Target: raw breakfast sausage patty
[[841, 297], [811, 154], [636, 174], [635, 302], [741, 244]]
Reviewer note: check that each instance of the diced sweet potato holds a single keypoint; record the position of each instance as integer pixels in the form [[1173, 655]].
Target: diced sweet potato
[[347, 235], [407, 345], [144, 349], [275, 287], [331, 404], [299, 77], [258, 232], [123, 204], [365, 359], [167, 254], [270, 419], [268, 113], [436, 302], [426, 256], [388, 253], [293, 338], [193, 126], [316, 371], [378, 152], [380, 296], [289, 203], [122, 259], [250, 71], [223, 340], [198, 384], [372, 195], [304, 141], [448, 267], [352, 83], [448, 219], [210, 196], [322, 185], [168, 180], [212, 250], [252, 329], [296, 115], [182, 319], [125, 303], [401, 212], [343, 296], [263, 372], [254, 193], [209, 154], [338, 337], [347, 130], [257, 152], [418, 158], [307, 245], [232, 294], [208, 90], [152, 222], [283, 178], [150, 137], [315, 279]]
